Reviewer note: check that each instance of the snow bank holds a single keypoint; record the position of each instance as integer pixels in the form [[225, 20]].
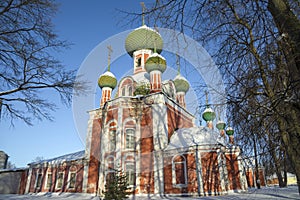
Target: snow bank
[[187, 137]]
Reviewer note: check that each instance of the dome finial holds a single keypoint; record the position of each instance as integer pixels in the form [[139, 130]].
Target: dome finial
[[178, 63], [220, 124], [143, 13], [206, 98], [109, 56], [154, 50], [208, 115]]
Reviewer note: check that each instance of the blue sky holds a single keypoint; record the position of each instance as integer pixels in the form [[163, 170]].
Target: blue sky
[[88, 25], [85, 24]]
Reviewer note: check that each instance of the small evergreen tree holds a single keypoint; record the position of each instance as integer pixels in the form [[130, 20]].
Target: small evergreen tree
[[116, 186], [142, 89]]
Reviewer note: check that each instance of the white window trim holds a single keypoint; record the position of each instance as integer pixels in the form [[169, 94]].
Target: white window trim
[[107, 161], [69, 178], [125, 161], [107, 169], [63, 177], [131, 162], [110, 141], [125, 139], [36, 179], [106, 145], [46, 182], [174, 172]]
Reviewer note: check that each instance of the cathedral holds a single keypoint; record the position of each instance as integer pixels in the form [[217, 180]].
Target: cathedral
[[146, 131]]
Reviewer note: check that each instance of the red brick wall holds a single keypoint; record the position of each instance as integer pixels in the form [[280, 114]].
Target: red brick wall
[[64, 168], [192, 184], [93, 170], [168, 175], [210, 173], [249, 177], [176, 120], [79, 179], [233, 172], [191, 173], [146, 160], [33, 180], [23, 181], [261, 177], [250, 180]]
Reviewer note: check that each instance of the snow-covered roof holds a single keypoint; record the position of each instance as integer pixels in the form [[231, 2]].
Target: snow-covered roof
[[108, 73], [141, 77], [156, 55], [147, 28], [14, 169], [68, 157], [187, 137]]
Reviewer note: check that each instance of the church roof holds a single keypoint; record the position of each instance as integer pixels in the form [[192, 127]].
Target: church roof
[[143, 38], [155, 62], [141, 77], [107, 79], [68, 157], [188, 137]]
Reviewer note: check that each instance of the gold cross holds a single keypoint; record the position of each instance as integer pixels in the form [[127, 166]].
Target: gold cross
[[206, 95], [110, 50], [178, 63], [143, 13]]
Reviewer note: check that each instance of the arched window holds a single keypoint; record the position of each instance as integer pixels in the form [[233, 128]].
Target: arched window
[[179, 175], [139, 62], [130, 138], [129, 91], [59, 179], [38, 180], [112, 136], [124, 91], [110, 169], [129, 134], [49, 179], [112, 140], [72, 177], [130, 171]]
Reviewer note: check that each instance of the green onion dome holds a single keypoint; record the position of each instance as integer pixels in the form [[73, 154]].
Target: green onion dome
[[143, 38], [155, 62], [220, 125], [107, 80], [181, 84], [229, 131], [208, 114]]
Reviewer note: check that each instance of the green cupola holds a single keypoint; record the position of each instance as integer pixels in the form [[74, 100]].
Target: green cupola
[[107, 80], [155, 62], [220, 125], [181, 84], [143, 38], [229, 131], [208, 114]]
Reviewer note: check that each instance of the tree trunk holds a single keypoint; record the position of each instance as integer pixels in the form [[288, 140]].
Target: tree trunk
[[291, 139], [289, 28], [279, 177], [284, 170]]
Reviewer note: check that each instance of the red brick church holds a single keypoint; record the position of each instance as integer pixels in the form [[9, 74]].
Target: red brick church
[[146, 131]]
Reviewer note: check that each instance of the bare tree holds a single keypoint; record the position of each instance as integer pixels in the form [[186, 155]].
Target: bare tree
[[256, 46], [28, 68]]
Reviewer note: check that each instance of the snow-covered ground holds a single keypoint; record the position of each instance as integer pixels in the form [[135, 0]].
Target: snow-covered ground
[[290, 192]]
